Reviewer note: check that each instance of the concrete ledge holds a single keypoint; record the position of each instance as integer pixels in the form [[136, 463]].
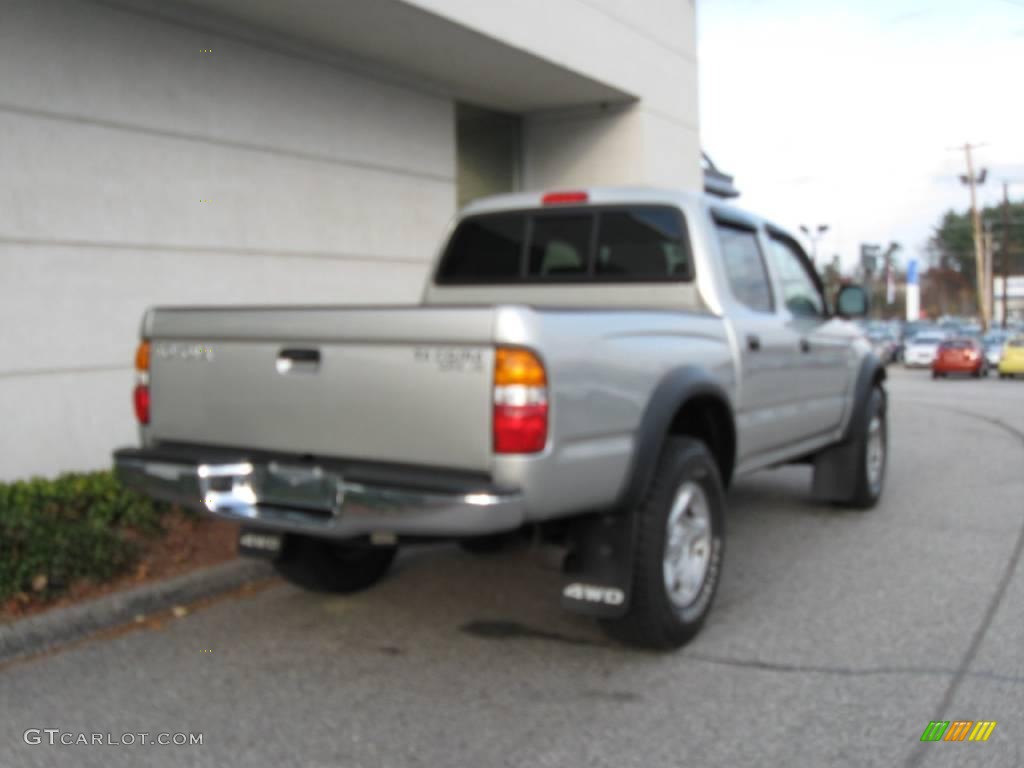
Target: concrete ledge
[[63, 625]]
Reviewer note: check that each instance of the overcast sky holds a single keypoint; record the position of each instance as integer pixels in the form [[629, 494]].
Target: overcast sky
[[842, 113]]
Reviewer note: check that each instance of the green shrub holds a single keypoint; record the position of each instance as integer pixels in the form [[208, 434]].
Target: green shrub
[[79, 525]]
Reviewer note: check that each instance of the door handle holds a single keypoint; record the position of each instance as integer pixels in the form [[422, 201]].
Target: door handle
[[298, 360], [805, 345], [753, 342]]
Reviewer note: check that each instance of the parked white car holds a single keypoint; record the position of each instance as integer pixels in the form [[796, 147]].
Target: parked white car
[[921, 351], [993, 343]]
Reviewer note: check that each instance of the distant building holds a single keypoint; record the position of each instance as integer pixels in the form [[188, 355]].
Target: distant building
[[231, 151], [1014, 299]]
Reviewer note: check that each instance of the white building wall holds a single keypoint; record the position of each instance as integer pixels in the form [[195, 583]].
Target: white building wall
[[323, 186], [647, 48], [583, 146], [138, 169]]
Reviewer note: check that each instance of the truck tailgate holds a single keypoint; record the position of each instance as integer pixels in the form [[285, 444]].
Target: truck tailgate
[[405, 385]]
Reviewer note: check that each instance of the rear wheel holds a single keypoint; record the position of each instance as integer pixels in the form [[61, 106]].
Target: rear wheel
[[321, 565], [677, 556]]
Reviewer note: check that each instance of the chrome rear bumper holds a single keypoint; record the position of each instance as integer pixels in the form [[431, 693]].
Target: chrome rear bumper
[[315, 500]]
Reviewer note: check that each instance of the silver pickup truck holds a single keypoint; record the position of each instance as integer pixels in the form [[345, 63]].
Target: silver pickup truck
[[599, 365]]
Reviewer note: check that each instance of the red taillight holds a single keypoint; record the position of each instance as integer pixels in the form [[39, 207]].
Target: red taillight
[[141, 398], [141, 394], [520, 419], [558, 198], [520, 428]]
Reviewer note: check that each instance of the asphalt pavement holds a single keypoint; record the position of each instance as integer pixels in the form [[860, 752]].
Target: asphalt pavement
[[836, 637]]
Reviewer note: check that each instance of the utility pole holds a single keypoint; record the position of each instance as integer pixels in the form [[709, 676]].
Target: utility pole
[[979, 256], [988, 244], [1006, 252]]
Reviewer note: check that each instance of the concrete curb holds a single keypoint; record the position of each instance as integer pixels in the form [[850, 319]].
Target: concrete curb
[[63, 625]]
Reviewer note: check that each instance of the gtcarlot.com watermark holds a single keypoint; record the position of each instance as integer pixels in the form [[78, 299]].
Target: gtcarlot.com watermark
[[55, 736]]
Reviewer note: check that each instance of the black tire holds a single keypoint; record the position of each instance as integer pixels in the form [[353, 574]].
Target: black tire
[[654, 620], [321, 565], [868, 487]]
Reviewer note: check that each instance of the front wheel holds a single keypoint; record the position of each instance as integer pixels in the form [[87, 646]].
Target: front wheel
[[322, 565], [677, 554], [869, 472]]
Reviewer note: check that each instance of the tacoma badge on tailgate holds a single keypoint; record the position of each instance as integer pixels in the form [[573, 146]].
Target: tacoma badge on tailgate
[[451, 358]]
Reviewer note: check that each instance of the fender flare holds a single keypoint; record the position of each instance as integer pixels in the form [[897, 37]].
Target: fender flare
[[871, 371], [675, 389], [599, 575]]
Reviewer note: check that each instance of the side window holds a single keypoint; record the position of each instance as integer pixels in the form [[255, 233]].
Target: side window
[[744, 267], [799, 290]]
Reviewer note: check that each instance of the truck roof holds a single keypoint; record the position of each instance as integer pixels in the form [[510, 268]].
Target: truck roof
[[608, 195], [594, 195]]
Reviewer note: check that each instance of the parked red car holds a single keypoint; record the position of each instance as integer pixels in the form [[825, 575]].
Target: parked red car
[[960, 356]]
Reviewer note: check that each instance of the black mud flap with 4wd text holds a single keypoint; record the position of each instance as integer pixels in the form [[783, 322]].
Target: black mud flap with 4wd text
[[598, 573]]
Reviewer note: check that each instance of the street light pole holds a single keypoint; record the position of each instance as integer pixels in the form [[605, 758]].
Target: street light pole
[[814, 236]]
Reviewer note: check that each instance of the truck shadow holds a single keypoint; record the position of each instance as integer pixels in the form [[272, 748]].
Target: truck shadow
[[513, 595]]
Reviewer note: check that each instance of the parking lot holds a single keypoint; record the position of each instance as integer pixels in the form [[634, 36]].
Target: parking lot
[[836, 637]]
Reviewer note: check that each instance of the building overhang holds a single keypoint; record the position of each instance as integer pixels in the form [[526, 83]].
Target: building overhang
[[422, 48]]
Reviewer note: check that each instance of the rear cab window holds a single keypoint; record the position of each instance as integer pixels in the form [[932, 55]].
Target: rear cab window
[[617, 243]]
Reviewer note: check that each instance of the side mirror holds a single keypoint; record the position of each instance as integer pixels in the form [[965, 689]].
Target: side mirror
[[852, 302]]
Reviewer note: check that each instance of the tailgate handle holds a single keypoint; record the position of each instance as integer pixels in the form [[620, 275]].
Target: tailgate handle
[[298, 360]]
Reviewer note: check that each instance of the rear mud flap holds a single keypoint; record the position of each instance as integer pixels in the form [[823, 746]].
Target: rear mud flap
[[598, 572]]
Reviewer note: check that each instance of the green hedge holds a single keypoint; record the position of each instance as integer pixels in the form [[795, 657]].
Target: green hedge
[[79, 525]]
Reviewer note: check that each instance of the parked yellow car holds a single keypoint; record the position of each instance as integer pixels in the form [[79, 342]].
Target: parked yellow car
[[1012, 361]]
